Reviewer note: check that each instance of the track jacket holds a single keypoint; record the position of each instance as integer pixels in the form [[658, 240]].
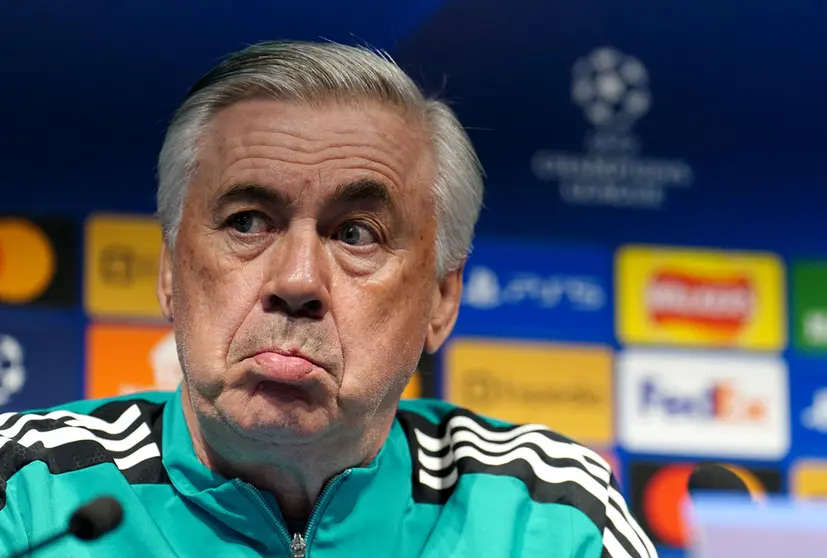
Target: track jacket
[[446, 483]]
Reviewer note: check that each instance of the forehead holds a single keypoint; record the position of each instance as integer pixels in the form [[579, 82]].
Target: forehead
[[266, 142]]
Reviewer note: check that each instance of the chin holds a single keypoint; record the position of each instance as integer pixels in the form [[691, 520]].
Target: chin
[[282, 416]]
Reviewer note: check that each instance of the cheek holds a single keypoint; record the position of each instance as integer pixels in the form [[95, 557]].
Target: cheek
[[382, 332], [211, 302]]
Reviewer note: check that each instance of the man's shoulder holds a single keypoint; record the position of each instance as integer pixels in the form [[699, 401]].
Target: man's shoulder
[[94, 406], [447, 417], [121, 432], [450, 444]]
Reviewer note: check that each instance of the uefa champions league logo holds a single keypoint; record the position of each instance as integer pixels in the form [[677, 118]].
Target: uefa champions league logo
[[12, 370], [612, 89]]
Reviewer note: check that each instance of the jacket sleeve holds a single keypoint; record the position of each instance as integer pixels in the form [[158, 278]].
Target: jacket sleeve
[[13, 533], [622, 536]]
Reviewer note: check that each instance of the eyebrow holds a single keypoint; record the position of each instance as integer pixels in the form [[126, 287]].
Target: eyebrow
[[351, 193], [363, 190], [250, 192]]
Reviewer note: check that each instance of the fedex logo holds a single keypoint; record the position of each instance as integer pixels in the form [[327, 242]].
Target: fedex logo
[[719, 401], [711, 404]]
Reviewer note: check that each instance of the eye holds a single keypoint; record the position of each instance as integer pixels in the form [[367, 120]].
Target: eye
[[248, 222], [355, 234]]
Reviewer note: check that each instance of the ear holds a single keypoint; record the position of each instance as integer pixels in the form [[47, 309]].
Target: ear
[[444, 310], [164, 286]]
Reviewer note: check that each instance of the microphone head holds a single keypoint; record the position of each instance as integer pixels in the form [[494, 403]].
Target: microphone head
[[96, 518], [711, 477]]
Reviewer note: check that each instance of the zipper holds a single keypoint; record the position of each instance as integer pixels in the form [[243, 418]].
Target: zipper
[[321, 503], [298, 543], [298, 548], [260, 499]]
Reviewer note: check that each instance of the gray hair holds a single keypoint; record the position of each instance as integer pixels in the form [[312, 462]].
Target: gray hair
[[314, 73]]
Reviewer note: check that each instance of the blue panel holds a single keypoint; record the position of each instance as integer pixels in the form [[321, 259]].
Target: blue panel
[[732, 95], [537, 290], [808, 406], [88, 88], [40, 359]]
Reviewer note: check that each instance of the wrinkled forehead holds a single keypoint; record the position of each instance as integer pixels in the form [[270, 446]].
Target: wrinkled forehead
[[314, 149]]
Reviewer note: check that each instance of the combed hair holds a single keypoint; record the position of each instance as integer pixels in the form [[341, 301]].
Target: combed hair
[[316, 73]]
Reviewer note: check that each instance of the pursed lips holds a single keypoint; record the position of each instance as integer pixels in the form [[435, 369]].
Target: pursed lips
[[285, 366], [293, 353]]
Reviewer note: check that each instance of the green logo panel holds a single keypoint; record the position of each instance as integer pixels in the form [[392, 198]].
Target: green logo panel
[[809, 301]]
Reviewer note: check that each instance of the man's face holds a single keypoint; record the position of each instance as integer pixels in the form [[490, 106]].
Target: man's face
[[302, 285]]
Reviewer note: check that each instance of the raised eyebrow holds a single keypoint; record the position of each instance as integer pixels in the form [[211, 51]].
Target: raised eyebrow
[[350, 193], [250, 192], [365, 189]]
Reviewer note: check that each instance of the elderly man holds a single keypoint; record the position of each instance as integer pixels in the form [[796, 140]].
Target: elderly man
[[317, 211]]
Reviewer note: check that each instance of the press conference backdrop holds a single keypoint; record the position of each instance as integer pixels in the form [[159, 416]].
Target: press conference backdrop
[[651, 275]]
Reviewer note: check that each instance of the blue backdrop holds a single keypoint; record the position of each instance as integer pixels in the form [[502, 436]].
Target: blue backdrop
[[599, 124]]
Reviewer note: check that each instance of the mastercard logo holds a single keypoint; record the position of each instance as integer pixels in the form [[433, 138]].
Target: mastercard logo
[[754, 484], [663, 498], [662, 490], [27, 261]]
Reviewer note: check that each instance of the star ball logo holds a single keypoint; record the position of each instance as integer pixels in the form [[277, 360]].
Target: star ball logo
[[12, 367], [612, 89]]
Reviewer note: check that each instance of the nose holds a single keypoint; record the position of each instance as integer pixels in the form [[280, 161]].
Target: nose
[[297, 283]]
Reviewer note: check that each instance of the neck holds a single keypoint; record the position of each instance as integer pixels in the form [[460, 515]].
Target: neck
[[294, 474]]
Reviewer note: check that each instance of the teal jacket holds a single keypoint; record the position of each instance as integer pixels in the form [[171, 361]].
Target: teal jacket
[[446, 483]]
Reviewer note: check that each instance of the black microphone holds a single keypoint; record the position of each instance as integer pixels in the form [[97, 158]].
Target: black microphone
[[88, 523], [712, 477]]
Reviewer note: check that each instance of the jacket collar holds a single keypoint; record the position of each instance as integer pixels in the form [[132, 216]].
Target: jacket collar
[[367, 500], [220, 497]]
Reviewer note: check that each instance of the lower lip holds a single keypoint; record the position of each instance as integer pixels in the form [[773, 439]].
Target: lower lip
[[281, 368]]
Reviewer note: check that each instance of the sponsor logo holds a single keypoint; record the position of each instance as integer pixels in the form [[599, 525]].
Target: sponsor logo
[[122, 266], [612, 90], [700, 298], [567, 388], [35, 262], [703, 404], [720, 401], [809, 301], [659, 490], [808, 405], [723, 304], [808, 479], [483, 290], [814, 417], [125, 359], [537, 290], [40, 360], [12, 368], [27, 261]]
